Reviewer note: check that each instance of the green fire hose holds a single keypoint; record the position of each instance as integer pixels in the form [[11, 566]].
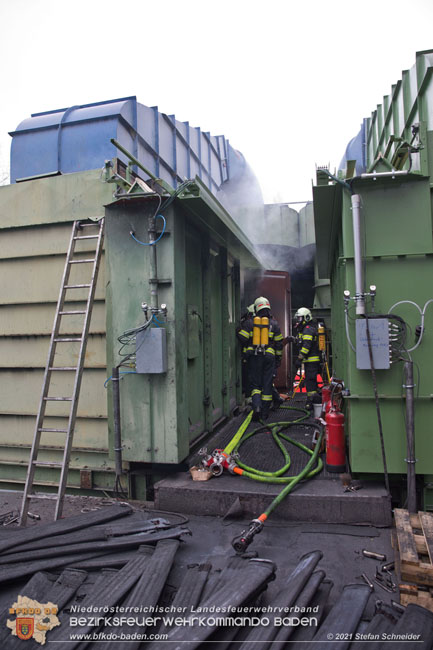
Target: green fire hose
[[313, 467]]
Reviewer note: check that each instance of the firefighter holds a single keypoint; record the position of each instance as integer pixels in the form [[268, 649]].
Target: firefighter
[[263, 344], [242, 333], [308, 353]]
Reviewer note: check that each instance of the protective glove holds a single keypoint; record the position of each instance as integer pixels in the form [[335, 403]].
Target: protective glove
[[298, 363]]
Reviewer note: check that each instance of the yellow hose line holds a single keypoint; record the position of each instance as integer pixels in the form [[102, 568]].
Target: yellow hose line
[[240, 432]]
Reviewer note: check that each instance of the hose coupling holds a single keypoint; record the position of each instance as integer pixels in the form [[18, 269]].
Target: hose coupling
[[241, 543], [231, 464], [217, 462]]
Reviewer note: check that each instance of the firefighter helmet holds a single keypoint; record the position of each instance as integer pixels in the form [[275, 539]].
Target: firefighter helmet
[[303, 314], [250, 309], [261, 303]]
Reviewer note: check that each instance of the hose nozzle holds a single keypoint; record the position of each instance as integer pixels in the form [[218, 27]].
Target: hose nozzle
[[241, 543]]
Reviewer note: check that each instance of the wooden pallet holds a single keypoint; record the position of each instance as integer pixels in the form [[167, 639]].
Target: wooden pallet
[[414, 557], [412, 594]]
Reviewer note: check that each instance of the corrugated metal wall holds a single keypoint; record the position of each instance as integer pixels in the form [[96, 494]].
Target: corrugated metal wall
[[35, 225]]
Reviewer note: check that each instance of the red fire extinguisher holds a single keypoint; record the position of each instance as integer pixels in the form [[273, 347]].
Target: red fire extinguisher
[[326, 399], [335, 442]]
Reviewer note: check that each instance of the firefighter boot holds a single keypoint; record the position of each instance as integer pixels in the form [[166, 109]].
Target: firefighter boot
[[257, 414], [256, 403]]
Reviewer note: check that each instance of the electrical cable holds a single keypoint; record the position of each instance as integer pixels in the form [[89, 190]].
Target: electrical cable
[[376, 397], [130, 372], [151, 243]]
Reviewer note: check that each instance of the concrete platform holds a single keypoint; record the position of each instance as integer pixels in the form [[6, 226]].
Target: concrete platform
[[320, 500]]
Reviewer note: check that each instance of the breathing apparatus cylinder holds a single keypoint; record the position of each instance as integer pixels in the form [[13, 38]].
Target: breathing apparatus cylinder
[[256, 330], [264, 333], [335, 441], [321, 337]]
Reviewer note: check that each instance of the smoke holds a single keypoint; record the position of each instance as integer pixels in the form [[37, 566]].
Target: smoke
[[265, 225], [287, 258], [242, 197]]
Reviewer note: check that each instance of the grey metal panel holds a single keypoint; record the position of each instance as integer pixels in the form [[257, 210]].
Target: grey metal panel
[[379, 335], [151, 351]]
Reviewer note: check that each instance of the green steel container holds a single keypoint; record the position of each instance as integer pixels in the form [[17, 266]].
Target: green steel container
[[397, 258], [198, 262]]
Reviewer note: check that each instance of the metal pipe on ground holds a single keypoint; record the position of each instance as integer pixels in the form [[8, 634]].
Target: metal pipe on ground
[[410, 437], [343, 618]]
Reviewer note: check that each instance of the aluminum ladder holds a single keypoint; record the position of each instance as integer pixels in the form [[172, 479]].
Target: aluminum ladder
[[72, 257]]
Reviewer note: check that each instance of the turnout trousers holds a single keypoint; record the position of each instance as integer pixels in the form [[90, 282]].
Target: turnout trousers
[[312, 369], [261, 375]]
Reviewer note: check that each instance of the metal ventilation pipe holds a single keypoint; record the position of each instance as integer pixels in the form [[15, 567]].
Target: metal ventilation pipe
[[359, 280], [410, 437]]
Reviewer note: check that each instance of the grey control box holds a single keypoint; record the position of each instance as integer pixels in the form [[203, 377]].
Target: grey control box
[[379, 335], [151, 351]]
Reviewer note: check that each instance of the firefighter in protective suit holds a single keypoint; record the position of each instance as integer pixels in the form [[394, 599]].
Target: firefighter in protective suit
[[263, 344], [308, 353], [246, 322]]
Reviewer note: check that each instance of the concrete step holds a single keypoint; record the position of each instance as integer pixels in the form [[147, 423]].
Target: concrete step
[[320, 500]]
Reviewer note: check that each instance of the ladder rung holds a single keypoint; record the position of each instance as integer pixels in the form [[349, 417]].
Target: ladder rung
[[54, 430], [76, 286], [87, 237], [67, 340], [63, 368], [81, 261], [89, 225], [44, 463], [69, 313], [42, 496], [58, 399]]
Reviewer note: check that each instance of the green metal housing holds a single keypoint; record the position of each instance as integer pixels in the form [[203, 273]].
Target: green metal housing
[[397, 257], [198, 262]]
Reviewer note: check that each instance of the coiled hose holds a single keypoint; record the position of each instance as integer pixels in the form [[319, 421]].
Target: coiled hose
[[313, 467]]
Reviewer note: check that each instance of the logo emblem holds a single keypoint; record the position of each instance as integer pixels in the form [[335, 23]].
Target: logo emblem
[[25, 627]]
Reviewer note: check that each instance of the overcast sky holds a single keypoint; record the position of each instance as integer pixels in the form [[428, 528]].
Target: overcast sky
[[288, 83]]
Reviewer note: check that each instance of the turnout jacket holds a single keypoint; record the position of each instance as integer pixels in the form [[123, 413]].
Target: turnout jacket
[[275, 345], [308, 345]]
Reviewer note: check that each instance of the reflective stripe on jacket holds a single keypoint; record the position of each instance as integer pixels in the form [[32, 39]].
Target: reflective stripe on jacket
[[309, 346]]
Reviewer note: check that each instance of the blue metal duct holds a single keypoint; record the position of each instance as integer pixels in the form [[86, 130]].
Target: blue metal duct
[[78, 138]]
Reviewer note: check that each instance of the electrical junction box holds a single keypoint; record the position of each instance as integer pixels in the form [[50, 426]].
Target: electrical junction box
[[379, 335], [151, 351]]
